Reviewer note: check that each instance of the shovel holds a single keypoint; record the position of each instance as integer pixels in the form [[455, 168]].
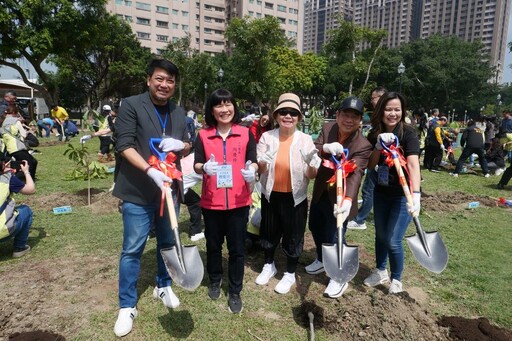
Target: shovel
[[182, 262], [427, 247], [341, 262]]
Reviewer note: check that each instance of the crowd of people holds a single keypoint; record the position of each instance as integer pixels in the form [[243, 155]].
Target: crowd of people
[[265, 152]]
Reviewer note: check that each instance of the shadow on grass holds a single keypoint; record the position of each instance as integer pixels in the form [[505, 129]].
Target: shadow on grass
[[178, 324], [35, 236]]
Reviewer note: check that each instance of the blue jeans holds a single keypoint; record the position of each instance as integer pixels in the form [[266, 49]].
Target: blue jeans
[[42, 125], [367, 193], [322, 224], [391, 221], [22, 226], [137, 222]]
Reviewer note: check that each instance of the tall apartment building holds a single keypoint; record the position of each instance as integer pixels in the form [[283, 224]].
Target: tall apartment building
[[406, 20], [158, 22], [320, 16]]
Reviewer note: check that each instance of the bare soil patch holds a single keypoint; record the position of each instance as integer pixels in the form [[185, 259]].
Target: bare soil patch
[[450, 201]]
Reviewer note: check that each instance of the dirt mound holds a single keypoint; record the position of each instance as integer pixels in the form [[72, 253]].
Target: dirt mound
[[474, 330], [374, 315], [38, 335], [448, 201]]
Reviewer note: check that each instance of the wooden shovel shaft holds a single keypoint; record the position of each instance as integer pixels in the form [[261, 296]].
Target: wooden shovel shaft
[[174, 224], [403, 183], [339, 195]]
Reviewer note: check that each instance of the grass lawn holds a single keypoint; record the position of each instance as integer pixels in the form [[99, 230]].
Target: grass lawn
[[76, 256]]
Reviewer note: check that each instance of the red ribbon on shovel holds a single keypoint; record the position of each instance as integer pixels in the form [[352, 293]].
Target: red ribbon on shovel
[[168, 167]]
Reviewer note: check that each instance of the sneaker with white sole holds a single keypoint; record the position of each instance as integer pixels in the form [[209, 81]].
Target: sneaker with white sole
[[499, 171], [395, 287], [377, 277], [21, 252], [285, 284], [197, 236], [124, 321], [487, 175], [269, 271], [167, 296], [455, 175], [315, 268], [353, 225], [335, 289]]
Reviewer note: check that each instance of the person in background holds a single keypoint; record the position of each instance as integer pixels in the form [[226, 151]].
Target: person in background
[[506, 133], [333, 138], [287, 160], [225, 153], [263, 124], [490, 131], [472, 141], [15, 221], [433, 118], [45, 124], [434, 146], [495, 157], [359, 221], [142, 117], [420, 119], [392, 212], [8, 100], [104, 133], [61, 119]]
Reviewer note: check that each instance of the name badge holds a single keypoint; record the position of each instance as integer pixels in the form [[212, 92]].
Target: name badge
[[383, 175], [224, 176]]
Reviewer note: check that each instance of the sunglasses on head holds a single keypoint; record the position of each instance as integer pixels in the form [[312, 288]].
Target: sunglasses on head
[[293, 113]]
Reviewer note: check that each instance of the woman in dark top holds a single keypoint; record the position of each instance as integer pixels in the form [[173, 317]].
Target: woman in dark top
[[391, 212]]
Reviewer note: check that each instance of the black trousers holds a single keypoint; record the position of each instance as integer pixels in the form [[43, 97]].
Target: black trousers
[[507, 175], [105, 142], [192, 200], [283, 222], [232, 225], [433, 157]]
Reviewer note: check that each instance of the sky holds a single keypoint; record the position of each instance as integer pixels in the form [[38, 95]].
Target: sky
[[8, 73]]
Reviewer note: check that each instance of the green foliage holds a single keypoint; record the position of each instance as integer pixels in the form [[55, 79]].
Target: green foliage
[[315, 120], [85, 168]]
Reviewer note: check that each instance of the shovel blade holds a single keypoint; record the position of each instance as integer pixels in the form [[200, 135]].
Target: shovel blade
[[438, 258], [341, 269], [187, 272]]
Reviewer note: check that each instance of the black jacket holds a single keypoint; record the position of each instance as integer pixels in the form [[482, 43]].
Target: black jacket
[[472, 137]]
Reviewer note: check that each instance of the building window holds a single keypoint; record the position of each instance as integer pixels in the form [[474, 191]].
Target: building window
[[251, 1], [143, 6], [174, 12], [128, 18], [143, 21], [163, 24], [281, 8], [184, 13], [251, 13], [184, 28], [160, 37], [161, 9], [258, 15], [269, 5], [175, 26], [143, 35], [124, 3], [258, 2]]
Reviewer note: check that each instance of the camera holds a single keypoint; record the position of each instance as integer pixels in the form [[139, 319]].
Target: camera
[[16, 165]]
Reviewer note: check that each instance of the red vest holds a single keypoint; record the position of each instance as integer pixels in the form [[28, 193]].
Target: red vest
[[233, 151]]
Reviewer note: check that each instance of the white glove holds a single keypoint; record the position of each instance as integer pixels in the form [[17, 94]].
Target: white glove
[[249, 118], [344, 209], [416, 201], [268, 157], [311, 159], [85, 138], [158, 177], [171, 145], [334, 148], [210, 167], [249, 173], [443, 148], [386, 138]]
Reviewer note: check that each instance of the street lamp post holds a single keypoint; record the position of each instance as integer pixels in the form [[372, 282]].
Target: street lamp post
[[205, 96], [401, 70], [220, 73], [498, 105]]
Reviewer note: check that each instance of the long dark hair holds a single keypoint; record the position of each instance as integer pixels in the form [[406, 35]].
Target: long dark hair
[[217, 97], [378, 126]]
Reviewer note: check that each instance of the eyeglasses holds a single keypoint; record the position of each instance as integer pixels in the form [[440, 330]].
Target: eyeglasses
[[292, 113]]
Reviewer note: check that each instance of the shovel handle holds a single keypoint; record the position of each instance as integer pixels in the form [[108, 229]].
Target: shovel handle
[[154, 142], [174, 220]]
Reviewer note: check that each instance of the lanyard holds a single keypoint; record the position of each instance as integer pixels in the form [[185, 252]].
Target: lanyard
[[162, 122]]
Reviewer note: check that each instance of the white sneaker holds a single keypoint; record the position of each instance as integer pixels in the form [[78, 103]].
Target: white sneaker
[[377, 277], [353, 225], [197, 236], [335, 289], [285, 284], [456, 175], [499, 171], [395, 287], [269, 271], [167, 296], [487, 175], [124, 321], [315, 268]]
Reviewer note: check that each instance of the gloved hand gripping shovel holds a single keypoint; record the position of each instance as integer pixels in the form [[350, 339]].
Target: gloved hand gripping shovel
[[341, 262], [183, 263], [427, 247]]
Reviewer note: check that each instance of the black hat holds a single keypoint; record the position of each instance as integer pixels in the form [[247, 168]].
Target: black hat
[[352, 103]]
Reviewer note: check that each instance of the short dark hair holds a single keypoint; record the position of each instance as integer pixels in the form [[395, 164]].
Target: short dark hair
[[10, 93], [162, 64], [217, 97]]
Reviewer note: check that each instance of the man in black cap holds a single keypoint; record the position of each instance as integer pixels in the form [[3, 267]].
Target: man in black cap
[[333, 138]]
